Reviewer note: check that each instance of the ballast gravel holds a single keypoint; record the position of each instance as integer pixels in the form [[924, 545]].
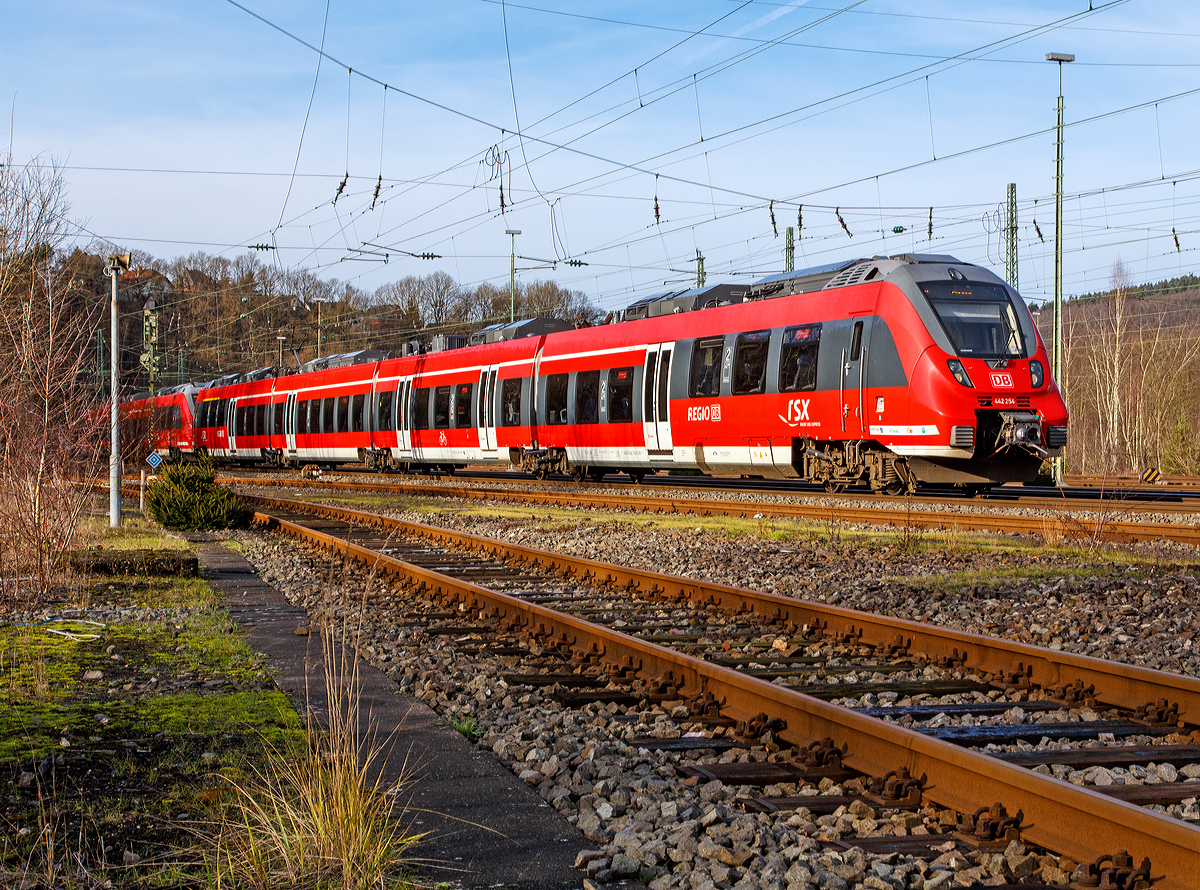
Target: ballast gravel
[[1137, 605], [648, 823]]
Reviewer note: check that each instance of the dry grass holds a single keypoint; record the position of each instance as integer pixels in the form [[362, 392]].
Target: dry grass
[[321, 816]]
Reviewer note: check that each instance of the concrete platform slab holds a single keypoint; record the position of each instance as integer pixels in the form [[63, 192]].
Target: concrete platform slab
[[486, 827]]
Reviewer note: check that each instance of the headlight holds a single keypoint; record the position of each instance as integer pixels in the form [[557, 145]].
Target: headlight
[[1037, 374], [959, 372]]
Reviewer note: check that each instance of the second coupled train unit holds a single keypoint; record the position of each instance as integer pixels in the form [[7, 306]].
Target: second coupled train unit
[[887, 372]]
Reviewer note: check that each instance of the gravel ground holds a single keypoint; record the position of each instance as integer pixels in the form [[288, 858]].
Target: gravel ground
[[649, 823]]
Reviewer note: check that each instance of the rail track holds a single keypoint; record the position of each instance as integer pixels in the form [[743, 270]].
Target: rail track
[[1092, 526], [1121, 493], [601, 633]]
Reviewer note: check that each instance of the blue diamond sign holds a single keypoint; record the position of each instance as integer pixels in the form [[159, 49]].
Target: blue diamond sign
[[154, 460]]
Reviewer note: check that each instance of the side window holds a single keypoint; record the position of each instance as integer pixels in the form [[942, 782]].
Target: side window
[[260, 420], [421, 409], [620, 395], [556, 398], [856, 342], [462, 405], [302, 418], [798, 358], [239, 421], [356, 412], [510, 402], [279, 409], [705, 378], [327, 415], [441, 408], [343, 414], [587, 397], [385, 410], [750, 363]]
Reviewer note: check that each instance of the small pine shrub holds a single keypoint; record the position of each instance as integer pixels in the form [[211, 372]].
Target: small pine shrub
[[187, 498]]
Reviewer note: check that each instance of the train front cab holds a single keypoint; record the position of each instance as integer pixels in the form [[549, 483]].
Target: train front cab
[[984, 381]]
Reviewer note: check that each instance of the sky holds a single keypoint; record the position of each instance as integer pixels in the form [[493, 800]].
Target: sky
[[628, 137]]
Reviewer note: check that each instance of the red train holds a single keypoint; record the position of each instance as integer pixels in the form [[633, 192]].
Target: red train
[[881, 371]]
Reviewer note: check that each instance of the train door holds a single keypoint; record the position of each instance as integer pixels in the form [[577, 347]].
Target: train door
[[487, 411], [404, 419], [289, 425], [231, 426], [852, 387], [656, 407]]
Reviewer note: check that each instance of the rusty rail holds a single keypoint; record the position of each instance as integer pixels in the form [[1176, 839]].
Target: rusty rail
[[1064, 524], [1123, 685], [1069, 819]]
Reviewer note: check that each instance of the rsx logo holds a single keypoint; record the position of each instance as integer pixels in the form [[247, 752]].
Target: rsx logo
[[797, 412]]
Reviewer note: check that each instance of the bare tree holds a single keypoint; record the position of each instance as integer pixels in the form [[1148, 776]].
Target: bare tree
[[50, 422]]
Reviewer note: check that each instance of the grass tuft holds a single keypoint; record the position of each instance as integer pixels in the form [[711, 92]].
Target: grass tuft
[[321, 815]]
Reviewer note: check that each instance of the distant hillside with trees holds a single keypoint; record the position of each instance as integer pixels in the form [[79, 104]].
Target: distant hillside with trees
[[1132, 357], [217, 315]]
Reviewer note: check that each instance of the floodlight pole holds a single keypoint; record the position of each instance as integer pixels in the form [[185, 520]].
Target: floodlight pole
[[1056, 359], [280, 338], [113, 271], [512, 274]]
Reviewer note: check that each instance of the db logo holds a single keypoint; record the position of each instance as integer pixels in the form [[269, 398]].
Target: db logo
[[705, 412], [1002, 381]]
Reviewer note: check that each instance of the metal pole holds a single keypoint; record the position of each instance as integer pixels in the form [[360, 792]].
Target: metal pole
[[1056, 358], [1010, 240], [114, 458], [512, 274], [320, 303]]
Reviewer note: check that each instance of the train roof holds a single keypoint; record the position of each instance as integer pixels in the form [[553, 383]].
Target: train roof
[[342, 360], [516, 330]]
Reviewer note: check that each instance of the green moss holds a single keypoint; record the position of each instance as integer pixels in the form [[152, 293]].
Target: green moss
[[188, 724]]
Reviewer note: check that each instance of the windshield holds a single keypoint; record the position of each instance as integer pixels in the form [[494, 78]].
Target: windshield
[[978, 318]]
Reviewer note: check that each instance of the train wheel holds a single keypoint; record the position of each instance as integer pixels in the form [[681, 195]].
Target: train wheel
[[578, 473], [977, 491], [893, 489], [835, 487], [539, 474], [637, 476], [597, 475]]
